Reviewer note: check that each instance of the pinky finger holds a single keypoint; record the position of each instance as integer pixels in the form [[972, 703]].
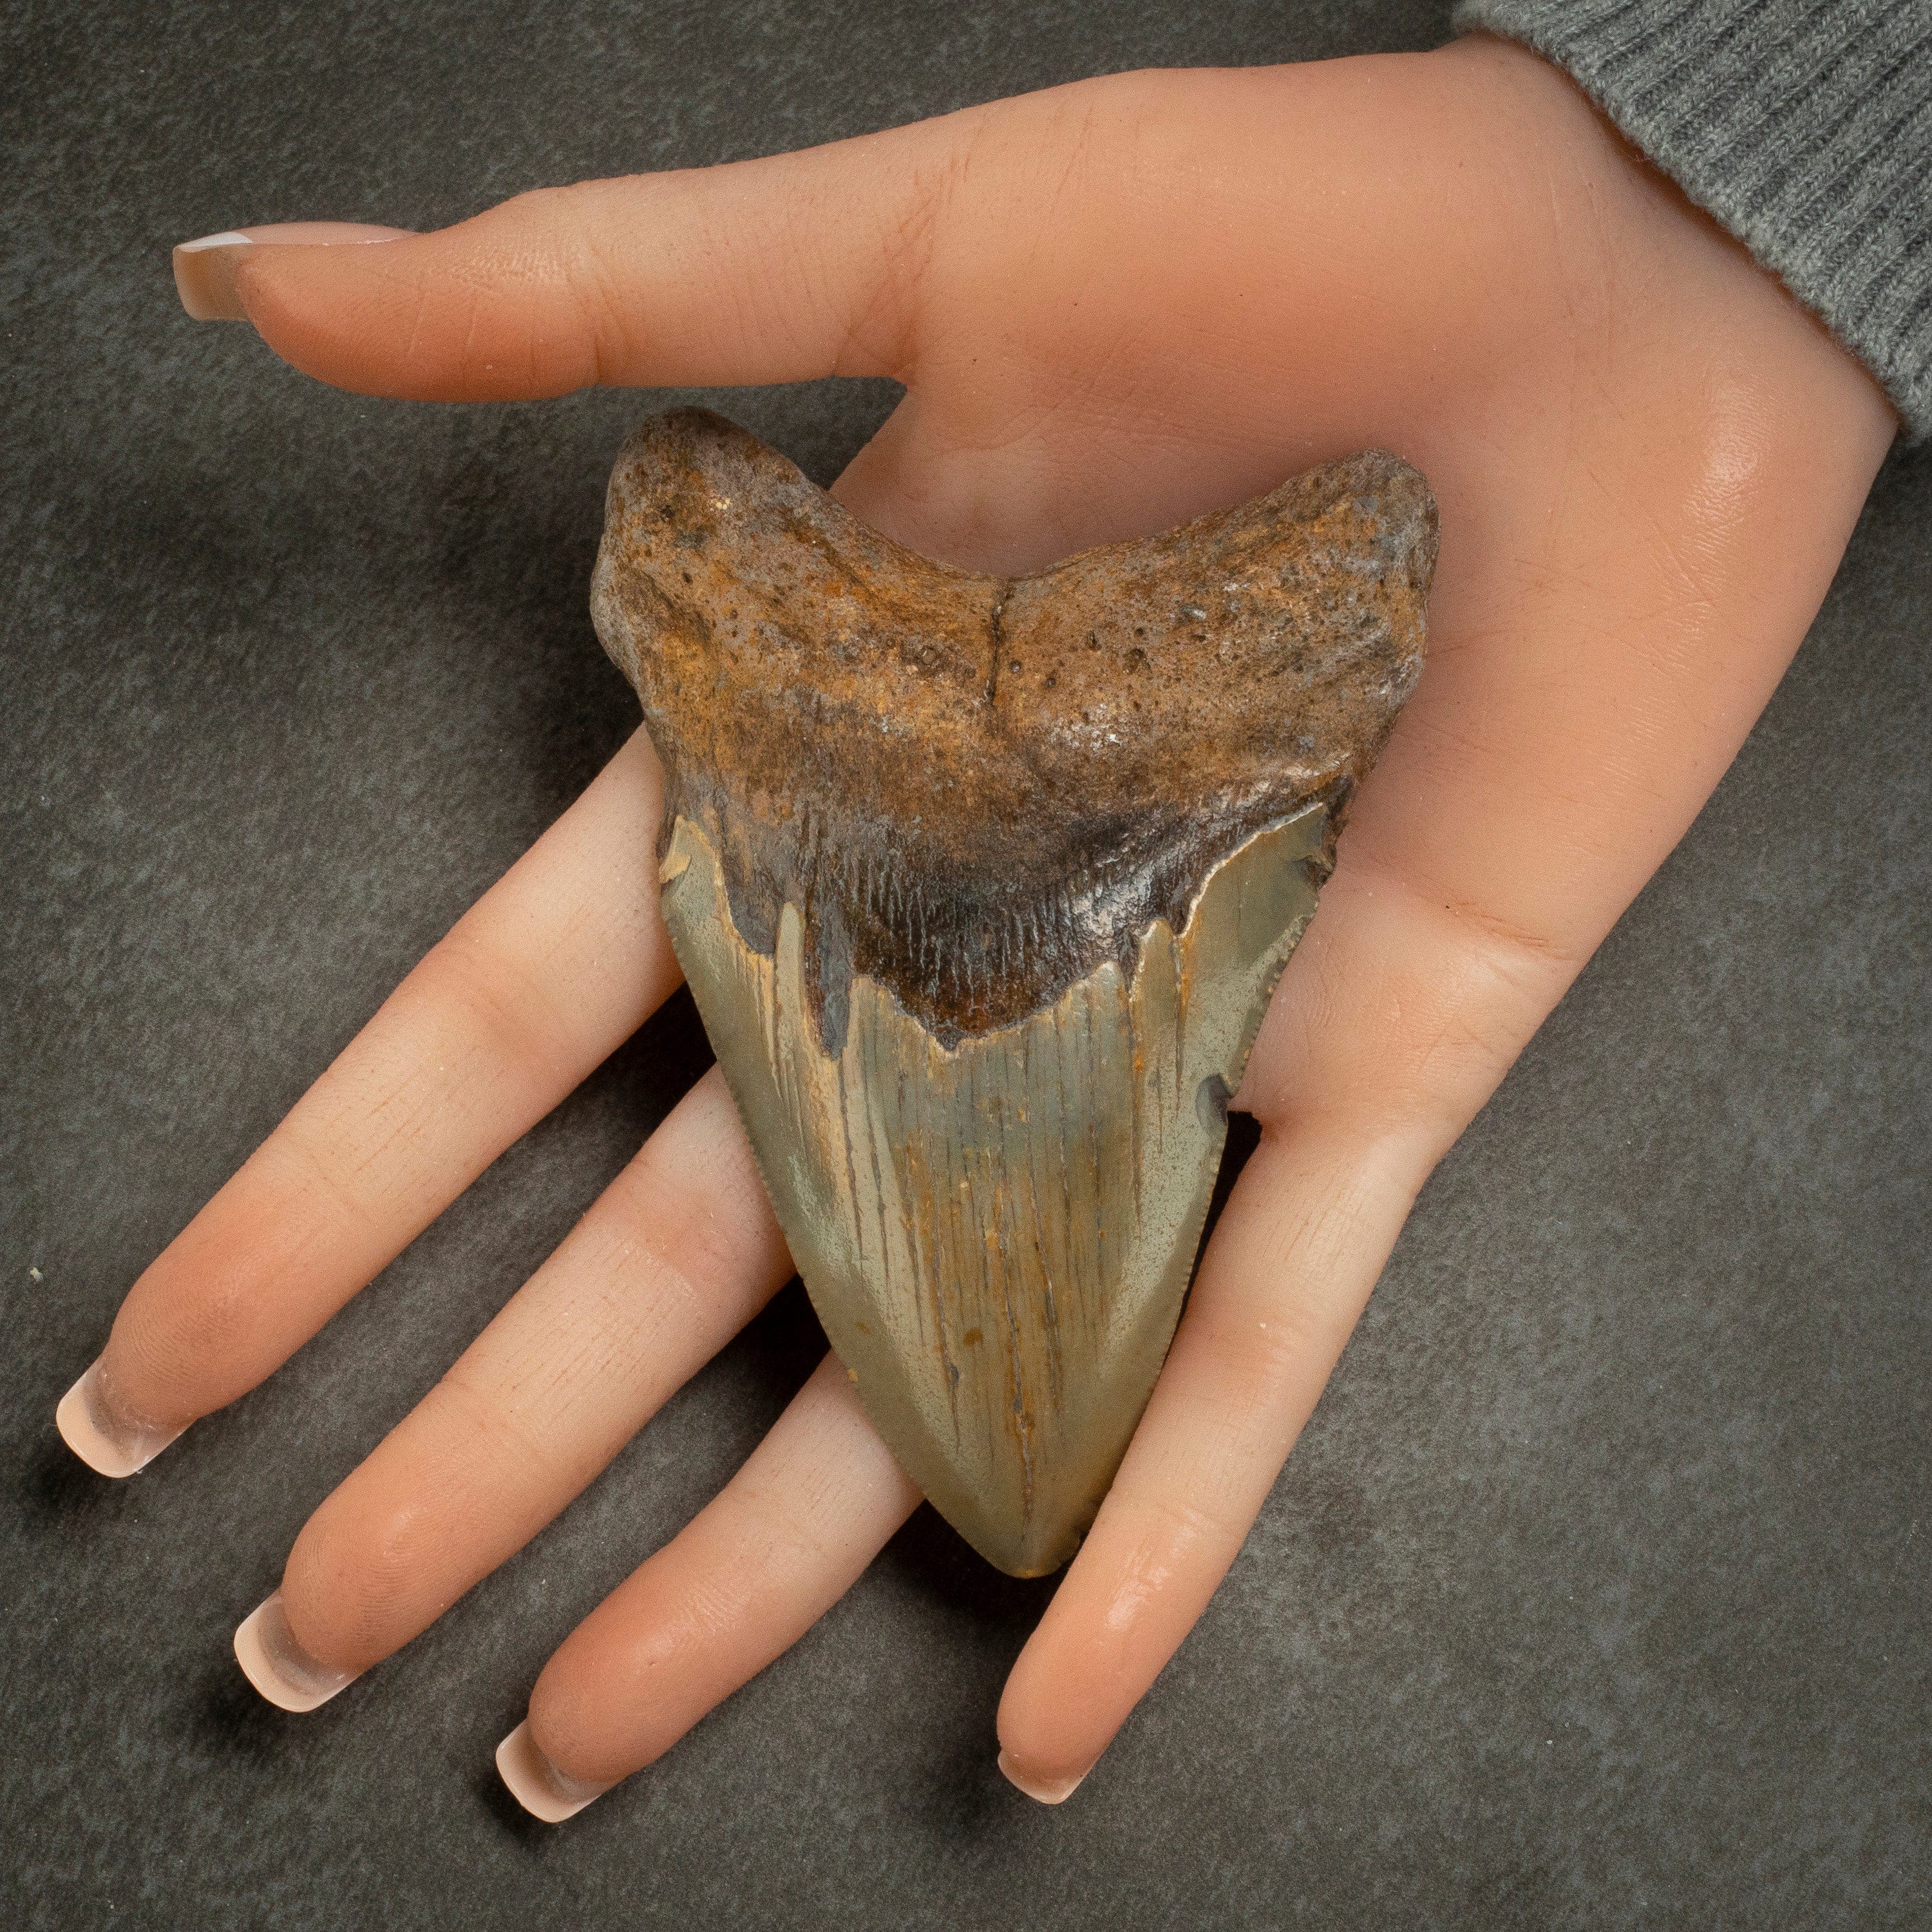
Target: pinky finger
[[1283, 1283], [779, 1546]]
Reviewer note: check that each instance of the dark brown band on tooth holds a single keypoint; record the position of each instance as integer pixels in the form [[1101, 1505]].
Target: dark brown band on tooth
[[977, 788]]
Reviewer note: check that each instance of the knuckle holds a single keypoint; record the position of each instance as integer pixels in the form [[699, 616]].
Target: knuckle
[[500, 1000], [555, 211], [1182, 1522], [1264, 1341], [711, 1234], [1407, 1035], [1267, 1351]]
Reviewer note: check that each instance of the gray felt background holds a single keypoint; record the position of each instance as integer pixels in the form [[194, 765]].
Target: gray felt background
[[1597, 1592]]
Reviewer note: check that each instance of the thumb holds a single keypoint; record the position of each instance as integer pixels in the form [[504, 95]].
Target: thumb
[[774, 270]]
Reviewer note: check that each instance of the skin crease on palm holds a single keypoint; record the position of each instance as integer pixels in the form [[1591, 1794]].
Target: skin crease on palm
[[1114, 305]]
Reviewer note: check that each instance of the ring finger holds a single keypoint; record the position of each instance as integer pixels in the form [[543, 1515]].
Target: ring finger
[[676, 1254]]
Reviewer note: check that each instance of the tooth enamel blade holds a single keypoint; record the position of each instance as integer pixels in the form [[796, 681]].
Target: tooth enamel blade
[[982, 886]]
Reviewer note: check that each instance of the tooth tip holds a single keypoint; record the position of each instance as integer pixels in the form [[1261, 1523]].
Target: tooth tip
[[277, 1666], [537, 1785], [107, 1443], [1042, 1790]]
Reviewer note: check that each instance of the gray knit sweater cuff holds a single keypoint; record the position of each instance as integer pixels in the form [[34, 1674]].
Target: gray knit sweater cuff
[[1804, 126]]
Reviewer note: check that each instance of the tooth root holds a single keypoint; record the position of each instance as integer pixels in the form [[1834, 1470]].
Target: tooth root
[[997, 1234], [982, 886]]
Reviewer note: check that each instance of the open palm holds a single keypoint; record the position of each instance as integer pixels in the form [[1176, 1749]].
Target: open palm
[[1114, 305]]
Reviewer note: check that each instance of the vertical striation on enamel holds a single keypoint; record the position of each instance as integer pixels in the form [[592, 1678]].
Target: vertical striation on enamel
[[981, 887]]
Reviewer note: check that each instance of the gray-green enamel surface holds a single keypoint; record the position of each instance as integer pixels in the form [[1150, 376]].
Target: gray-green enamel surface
[[998, 1235]]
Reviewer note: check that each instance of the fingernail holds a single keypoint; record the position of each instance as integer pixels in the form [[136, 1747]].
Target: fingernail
[[278, 1667], [102, 1434], [204, 277], [536, 1784], [1046, 1790], [205, 268]]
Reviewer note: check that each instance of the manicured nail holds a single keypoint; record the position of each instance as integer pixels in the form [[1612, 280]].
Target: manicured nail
[[279, 1667], [536, 1784], [102, 1434], [204, 277], [205, 268], [1047, 1790]]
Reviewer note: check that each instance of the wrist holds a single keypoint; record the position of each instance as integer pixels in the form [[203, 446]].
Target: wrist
[[1662, 271]]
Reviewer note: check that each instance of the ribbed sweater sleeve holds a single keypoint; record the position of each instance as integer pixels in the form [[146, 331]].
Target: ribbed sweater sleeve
[[1803, 126]]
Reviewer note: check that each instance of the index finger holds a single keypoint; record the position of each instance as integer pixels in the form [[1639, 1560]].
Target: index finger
[[560, 961]]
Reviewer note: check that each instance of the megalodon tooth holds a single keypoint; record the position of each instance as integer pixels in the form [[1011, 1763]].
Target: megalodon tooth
[[981, 885]]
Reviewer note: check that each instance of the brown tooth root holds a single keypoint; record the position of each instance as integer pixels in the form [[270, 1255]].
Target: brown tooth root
[[981, 886]]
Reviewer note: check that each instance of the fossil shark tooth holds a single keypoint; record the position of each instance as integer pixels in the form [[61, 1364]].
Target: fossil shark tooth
[[981, 886]]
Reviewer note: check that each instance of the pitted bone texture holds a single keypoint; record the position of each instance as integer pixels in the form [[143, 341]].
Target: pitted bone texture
[[977, 788]]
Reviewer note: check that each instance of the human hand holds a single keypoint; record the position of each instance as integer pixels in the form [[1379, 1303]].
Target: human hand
[[1114, 305]]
